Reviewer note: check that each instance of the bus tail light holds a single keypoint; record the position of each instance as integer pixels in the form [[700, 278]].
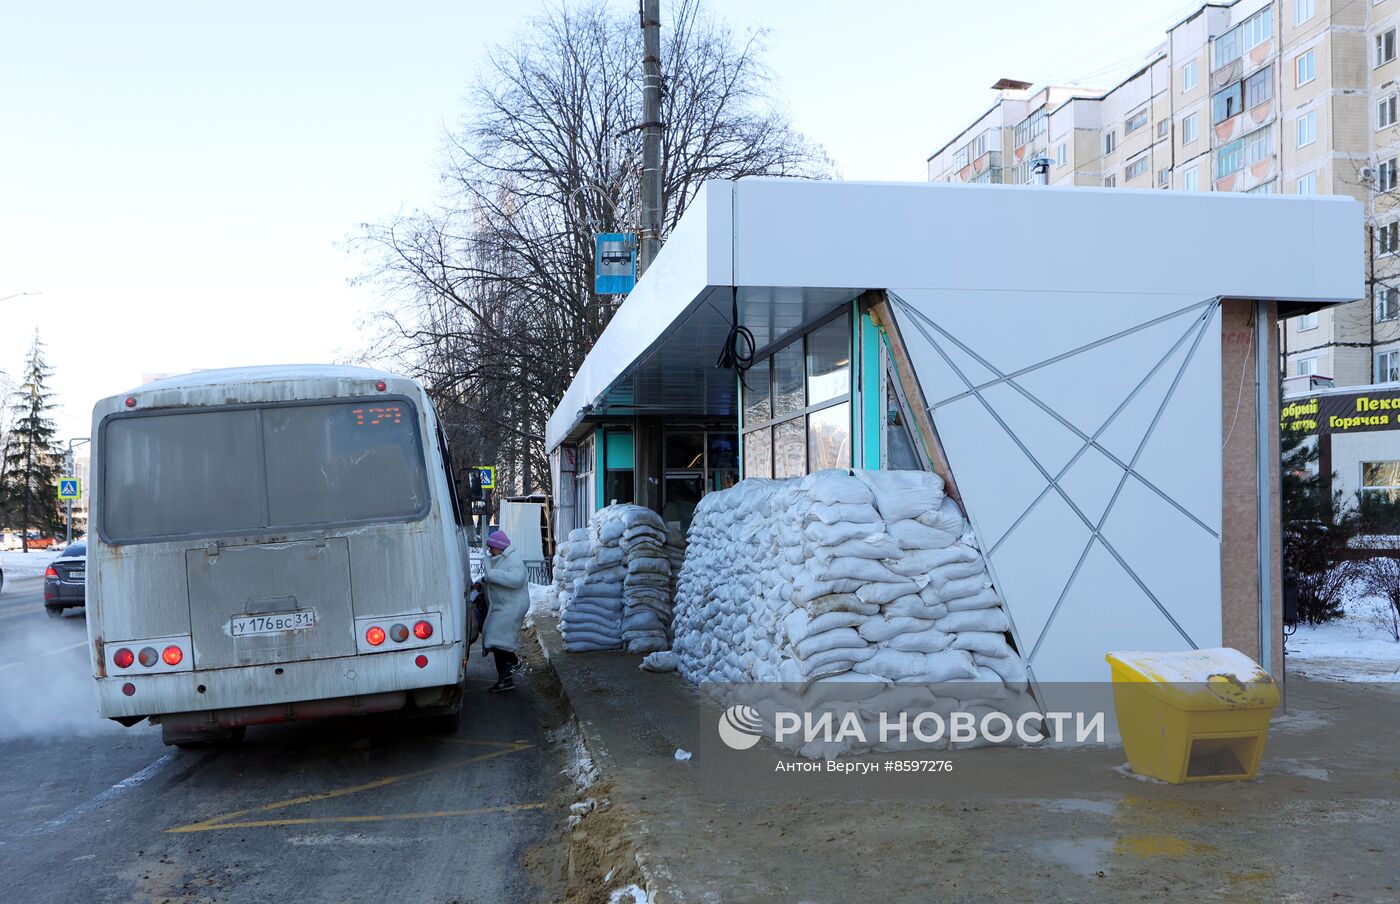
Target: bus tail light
[[421, 661], [398, 633], [423, 630], [123, 658], [148, 656], [374, 636], [172, 655]]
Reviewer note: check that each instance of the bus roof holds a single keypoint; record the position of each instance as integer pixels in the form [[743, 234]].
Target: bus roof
[[267, 374]]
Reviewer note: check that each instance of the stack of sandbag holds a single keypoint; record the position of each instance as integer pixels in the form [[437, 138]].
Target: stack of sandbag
[[592, 617], [646, 590], [568, 566], [848, 592]]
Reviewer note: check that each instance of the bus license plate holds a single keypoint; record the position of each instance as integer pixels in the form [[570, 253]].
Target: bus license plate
[[273, 623]]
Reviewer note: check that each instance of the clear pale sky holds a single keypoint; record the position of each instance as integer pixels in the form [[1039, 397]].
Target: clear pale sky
[[178, 179]]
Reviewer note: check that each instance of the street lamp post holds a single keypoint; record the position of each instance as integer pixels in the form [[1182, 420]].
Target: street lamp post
[[68, 537]]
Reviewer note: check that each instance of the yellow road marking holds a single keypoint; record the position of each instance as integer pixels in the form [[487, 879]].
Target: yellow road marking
[[315, 820], [223, 821]]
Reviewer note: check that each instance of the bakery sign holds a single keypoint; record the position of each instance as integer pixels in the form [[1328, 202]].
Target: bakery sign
[[1350, 413]]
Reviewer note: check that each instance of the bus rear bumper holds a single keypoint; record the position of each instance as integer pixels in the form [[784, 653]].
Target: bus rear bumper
[[179, 726], [276, 686]]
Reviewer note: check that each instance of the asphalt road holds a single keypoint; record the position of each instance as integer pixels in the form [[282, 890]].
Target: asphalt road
[[355, 810]]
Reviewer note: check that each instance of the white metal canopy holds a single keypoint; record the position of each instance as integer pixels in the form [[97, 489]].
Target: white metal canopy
[[795, 249]]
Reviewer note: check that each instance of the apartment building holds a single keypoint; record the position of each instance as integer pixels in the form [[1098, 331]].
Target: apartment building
[[1271, 96]]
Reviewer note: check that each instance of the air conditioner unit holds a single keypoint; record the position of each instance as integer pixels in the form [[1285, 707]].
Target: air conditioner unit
[[1367, 174]]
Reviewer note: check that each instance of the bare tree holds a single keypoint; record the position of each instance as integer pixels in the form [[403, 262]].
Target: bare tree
[[489, 295]]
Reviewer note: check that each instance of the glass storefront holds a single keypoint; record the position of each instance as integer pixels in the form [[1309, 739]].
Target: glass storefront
[[797, 405], [697, 461]]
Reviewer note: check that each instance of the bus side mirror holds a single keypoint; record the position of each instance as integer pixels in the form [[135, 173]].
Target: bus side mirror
[[474, 490]]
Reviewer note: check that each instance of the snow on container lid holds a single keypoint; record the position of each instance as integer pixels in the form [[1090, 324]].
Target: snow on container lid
[[1198, 679]]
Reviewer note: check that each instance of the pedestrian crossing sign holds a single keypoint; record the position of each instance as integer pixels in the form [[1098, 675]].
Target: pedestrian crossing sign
[[488, 476], [70, 488]]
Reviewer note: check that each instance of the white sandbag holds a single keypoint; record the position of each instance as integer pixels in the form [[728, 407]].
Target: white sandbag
[[930, 640], [881, 593], [608, 556], [641, 565], [883, 628], [798, 625], [903, 494], [832, 639], [986, 643], [894, 664], [961, 587], [880, 547], [948, 518], [993, 620], [945, 666], [660, 661], [915, 606], [834, 534], [1011, 669], [985, 598], [610, 532], [837, 514], [850, 567], [837, 659], [841, 602], [839, 489], [925, 561], [911, 534]]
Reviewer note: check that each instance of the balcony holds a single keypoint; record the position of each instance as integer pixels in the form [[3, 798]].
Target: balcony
[[979, 169]]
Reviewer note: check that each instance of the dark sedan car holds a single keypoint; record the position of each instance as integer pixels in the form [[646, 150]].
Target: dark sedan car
[[65, 581]]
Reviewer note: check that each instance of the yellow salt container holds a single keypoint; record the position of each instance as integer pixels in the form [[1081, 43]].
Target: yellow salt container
[[1192, 716]]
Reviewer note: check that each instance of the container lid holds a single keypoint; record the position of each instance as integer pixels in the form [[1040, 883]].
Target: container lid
[[1219, 678]]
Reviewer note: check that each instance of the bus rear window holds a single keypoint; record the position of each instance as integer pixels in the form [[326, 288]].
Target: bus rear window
[[214, 473]]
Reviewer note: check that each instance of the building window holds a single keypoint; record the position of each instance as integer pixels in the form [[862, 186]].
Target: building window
[[1135, 122], [1302, 11], [1385, 47], [1385, 175], [1029, 128], [1305, 367], [1188, 76], [1307, 185], [1381, 478], [1164, 129], [1307, 322], [1258, 88], [1268, 188], [1307, 128], [1062, 155], [1227, 103], [960, 158], [1164, 178], [797, 405], [1109, 181], [1110, 141], [1388, 366], [1258, 145], [1305, 68], [1388, 238], [1188, 129], [1190, 181], [1229, 159], [1385, 112], [1387, 303], [618, 459], [1258, 28], [1227, 48], [1135, 169]]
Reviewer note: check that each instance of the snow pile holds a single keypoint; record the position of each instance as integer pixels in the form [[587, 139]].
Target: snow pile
[[616, 583], [843, 583]]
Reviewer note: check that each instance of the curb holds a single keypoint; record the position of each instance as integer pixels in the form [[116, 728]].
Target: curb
[[657, 891]]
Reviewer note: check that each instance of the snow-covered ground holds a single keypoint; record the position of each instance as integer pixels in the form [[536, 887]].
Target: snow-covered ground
[[18, 564], [1356, 647]]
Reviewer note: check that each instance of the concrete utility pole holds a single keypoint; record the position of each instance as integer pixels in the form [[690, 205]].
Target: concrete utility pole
[[651, 133]]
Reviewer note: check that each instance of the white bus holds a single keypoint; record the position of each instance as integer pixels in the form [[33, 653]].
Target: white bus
[[274, 544]]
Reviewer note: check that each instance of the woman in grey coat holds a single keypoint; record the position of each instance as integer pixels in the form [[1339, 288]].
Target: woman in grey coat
[[503, 576]]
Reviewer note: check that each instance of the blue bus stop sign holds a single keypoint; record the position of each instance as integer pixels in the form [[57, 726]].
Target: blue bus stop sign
[[614, 263]]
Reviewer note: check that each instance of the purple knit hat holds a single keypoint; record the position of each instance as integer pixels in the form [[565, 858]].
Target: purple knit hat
[[497, 539]]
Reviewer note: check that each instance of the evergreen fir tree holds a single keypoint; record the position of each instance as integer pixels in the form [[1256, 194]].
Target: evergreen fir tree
[[28, 488]]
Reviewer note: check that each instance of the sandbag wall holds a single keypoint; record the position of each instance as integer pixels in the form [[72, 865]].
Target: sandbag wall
[[867, 581], [616, 586]]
